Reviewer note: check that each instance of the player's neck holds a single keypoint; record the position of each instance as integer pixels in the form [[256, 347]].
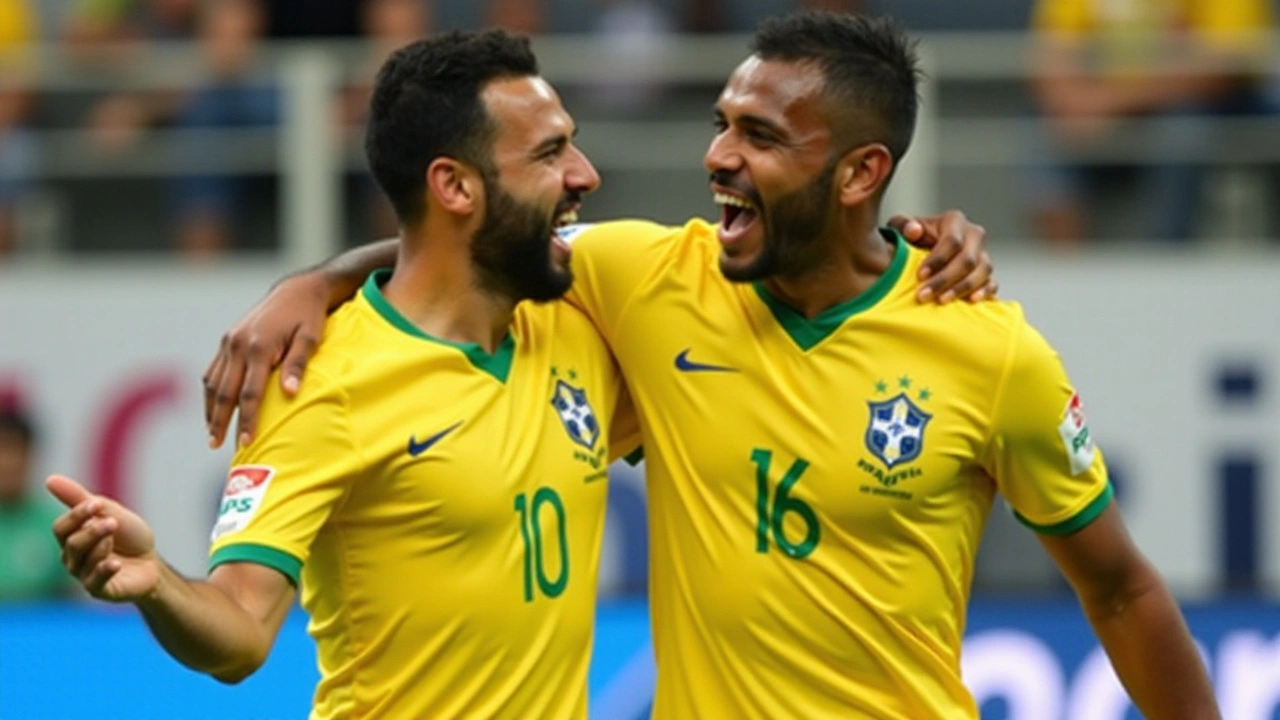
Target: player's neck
[[850, 265], [434, 287]]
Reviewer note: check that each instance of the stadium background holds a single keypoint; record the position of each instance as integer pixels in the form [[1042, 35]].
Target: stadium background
[[111, 302]]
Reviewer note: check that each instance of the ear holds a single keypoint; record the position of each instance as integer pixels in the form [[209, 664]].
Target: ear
[[863, 173], [454, 186]]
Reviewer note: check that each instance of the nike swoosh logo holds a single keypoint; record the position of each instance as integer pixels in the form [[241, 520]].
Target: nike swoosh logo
[[684, 364], [417, 448]]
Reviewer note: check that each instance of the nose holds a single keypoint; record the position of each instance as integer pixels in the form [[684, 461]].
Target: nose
[[722, 155], [582, 176]]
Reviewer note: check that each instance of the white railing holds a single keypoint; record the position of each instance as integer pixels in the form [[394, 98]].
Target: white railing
[[305, 154]]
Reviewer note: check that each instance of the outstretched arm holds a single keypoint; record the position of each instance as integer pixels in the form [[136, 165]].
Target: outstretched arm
[[1136, 619], [224, 627]]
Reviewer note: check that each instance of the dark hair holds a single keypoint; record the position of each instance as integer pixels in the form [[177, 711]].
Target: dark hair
[[426, 104], [18, 424], [870, 67]]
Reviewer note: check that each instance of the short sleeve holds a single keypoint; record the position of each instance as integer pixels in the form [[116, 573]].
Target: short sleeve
[[283, 487], [610, 261], [624, 430], [1041, 452]]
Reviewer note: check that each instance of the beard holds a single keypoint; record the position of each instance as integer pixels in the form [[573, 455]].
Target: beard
[[793, 227], [512, 249]]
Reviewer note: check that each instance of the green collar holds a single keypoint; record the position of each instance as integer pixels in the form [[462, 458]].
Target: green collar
[[808, 332], [498, 364]]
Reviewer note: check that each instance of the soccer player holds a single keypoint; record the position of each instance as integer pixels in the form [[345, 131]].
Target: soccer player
[[823, 451], [436, 490]]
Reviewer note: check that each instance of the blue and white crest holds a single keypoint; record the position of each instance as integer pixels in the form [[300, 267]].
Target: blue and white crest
[[895, 433], [576, 414]]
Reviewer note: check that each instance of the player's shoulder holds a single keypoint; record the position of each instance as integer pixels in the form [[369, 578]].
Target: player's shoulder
[[344, 340], [984, 332], [559, 321]]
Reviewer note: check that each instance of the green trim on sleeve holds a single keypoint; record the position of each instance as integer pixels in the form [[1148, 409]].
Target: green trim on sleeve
[[634, 457], [286, 564], [1076, 522]]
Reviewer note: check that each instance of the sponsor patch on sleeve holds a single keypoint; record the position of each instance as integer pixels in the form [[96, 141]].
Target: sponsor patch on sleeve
[[246, 486], [1075, 436]]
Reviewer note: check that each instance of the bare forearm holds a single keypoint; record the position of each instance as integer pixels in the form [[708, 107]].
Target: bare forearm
[[1153, 654], [204, 628], [345, 273]]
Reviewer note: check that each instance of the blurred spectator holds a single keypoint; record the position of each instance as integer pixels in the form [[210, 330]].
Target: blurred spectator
[[230, 31], [388, 25], [98, 22], [30, 567], [703, 16], [1170, 64], [522, 16], [98, 32], [314, 18], [17, 145], [635, 31]]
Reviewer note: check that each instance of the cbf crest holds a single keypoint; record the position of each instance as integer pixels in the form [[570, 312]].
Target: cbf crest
[[895, 432], [575, 412]]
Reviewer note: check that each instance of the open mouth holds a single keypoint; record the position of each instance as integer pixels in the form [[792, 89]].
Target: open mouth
[[566, 215], [737, 216]]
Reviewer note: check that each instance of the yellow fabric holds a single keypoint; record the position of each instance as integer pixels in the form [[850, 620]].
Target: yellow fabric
[[1223, 24], [17, 24], [436, 585], [797, 573]]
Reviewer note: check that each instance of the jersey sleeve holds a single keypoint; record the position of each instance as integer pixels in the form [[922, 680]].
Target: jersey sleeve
[[610, 261], [624, 430], [284, 486], [1041, 452]]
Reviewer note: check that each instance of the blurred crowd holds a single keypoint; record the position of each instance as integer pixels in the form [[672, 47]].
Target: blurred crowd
[[30, 565], [1104, 71]]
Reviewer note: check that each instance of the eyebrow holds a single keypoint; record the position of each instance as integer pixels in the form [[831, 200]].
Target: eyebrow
[[753, 120]]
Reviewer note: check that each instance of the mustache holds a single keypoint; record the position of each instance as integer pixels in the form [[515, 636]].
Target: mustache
[[724, 179], [568, 202]]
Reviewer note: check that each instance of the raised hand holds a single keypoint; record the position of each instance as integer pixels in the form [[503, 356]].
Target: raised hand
[[106, 546]]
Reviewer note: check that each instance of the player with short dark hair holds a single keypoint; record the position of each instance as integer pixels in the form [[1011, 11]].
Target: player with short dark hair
[[822, 449], [434, 493]]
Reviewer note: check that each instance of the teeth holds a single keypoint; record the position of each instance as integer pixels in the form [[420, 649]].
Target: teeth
[[734, 200], [567, 218]]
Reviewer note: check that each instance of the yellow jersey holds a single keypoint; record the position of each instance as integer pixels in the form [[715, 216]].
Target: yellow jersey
[[1132, 35], [818, 487], [441, 510]]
